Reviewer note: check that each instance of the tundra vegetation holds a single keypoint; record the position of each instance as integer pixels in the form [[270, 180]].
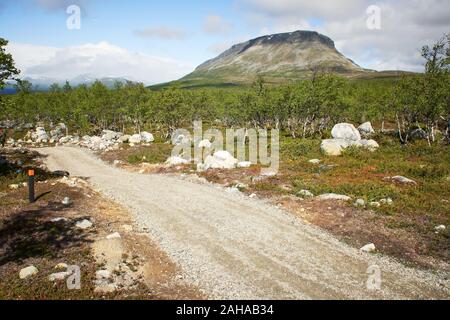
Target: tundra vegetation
[[409, 113]]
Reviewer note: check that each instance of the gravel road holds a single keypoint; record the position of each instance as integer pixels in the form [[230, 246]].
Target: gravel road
[[234, 247]]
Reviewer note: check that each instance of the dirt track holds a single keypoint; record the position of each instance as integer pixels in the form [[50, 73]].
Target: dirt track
[[234, 247]]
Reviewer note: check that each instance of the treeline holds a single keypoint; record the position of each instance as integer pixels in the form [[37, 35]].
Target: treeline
[[305, 108]]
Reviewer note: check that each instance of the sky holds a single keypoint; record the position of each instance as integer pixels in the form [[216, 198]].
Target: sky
[[160, 41]]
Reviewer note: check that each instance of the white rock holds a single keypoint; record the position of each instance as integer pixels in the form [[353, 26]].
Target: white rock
[[178, 138], [334, 147], [253, 196], [58, 276], [232, 190], [85, 224], [333, 196], [114, 235], [360, 203], [345, 131], [147, 137], [369, 248], [371, 145], [28, 272], [103, 274], [124, 139], [403, 180], [387, 201], [205, 144], [440, 228], [14, 186], [66, 201], [366, 128], [59, 220], [306, 193], [176, 161], [135, 139], [314, 161], [244, 164], [61, 266], [109, 135], [375, 204], [220, 160]]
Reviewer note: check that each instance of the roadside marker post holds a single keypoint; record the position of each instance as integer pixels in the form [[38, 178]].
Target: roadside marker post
[[31, 186]]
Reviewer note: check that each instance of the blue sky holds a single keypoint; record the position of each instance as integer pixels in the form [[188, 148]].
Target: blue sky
[[169, 38]]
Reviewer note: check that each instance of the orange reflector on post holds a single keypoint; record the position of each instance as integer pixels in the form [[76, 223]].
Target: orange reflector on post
[[31, 173]]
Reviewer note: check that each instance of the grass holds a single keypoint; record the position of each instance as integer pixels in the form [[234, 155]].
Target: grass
[[155, 153]]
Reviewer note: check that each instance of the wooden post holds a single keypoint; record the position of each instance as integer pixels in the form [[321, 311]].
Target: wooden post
[[31, 196]]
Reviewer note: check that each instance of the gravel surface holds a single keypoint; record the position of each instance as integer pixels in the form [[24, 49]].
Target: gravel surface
[[234, 247]]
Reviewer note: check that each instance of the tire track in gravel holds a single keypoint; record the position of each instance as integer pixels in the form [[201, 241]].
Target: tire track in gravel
[[234, 247]]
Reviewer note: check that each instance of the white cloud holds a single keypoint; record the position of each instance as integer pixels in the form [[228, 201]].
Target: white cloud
[[215, 24], [100, 60], [406, 25], [161, 32]]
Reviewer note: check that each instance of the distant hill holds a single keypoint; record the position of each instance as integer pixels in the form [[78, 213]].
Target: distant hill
[[278, 58], [44, 83]]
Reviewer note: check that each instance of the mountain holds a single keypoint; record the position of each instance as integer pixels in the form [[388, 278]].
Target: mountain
[[44, 83], [278, 58]]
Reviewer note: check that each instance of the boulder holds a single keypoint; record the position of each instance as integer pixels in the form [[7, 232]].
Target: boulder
[[371, 145], [28, 272], [244, 164], [178, 138], [205, 144], [346, 131], [333, 196], [40, 135], [220, 160], [85, 224], [66, 201], [366, 129], [176, 161], [135, 138], [59, 276], [114, 235], [61, 266], [124, 139], [147, 137], [369, 248], [401, 180], [109, 135], [305, 193], [334, 147]]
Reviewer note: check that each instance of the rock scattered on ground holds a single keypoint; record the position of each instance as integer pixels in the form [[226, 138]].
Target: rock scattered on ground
[[59, 276], [345, 135], [61, 266], [114, 235], [315, 161], [205, 144], [360, 203], [333, 196], [401, 180], [220, 160], [176, 161], [366, 129], [84, 224], [305, 193], [369, 248], [66, 201], [28, 272]]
